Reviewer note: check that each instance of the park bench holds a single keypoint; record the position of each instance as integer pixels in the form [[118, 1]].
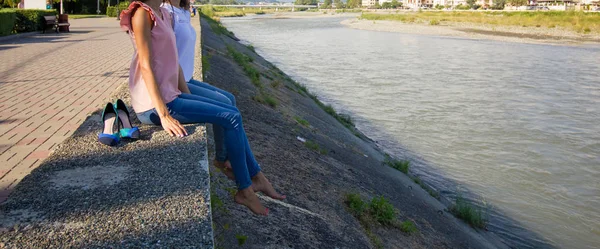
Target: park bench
[[53, 22]]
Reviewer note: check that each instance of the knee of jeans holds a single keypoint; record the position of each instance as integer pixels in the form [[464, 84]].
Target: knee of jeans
[[232, 119]]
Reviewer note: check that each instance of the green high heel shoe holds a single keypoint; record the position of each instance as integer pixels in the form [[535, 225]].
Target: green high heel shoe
[[127, 130]]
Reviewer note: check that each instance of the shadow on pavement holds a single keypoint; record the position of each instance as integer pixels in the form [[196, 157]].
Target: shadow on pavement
[[149, 192]]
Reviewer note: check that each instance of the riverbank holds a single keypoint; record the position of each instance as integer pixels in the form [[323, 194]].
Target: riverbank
[[317, 158], [436, 25]]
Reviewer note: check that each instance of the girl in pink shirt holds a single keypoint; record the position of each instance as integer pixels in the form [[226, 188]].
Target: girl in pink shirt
[[160, 95]]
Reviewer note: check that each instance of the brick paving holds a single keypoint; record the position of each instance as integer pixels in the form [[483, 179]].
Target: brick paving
[[49, 83]]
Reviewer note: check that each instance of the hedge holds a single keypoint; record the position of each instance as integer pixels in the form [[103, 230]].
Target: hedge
[[7, 21], [112, 10], [31, 20]]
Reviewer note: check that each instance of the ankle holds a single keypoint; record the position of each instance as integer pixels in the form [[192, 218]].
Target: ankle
[[246, 192]]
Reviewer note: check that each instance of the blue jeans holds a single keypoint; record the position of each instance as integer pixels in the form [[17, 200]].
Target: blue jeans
[[189, 108], [214, 93]]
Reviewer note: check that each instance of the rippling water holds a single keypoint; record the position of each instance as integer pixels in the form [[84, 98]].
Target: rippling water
[[517, 125]]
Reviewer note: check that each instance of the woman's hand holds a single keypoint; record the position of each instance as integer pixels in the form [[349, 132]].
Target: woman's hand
[[172, 126]]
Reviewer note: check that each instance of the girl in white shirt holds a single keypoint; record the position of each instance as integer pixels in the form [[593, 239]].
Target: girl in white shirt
[[185, 36]]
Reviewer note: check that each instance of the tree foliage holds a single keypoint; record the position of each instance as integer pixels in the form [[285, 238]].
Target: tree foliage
[[391, 5], [223, 2], [306, 2], [498, 4], [517, 2], [353, 3], [471, 3], [326, 4], [338, 4], [9, 3]]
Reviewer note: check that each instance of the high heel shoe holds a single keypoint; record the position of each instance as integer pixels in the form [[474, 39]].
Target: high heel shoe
[[126, 130], [110, 131]]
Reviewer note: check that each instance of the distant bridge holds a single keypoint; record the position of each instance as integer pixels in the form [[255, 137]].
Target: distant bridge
[[259, 6]]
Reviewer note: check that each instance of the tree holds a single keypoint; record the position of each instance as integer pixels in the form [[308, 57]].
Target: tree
[[9, 3], [396, 4], [306, 2], [326, 4], [338, 4], [471, 3], [517, 2], [386, 5], [498, 4], [353, 3]]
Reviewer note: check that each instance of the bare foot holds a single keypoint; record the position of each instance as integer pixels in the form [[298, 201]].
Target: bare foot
[[248, 198], [225, 167], [261, 184]]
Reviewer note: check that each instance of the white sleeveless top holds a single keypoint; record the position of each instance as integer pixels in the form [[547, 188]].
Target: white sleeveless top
[[185, 36]]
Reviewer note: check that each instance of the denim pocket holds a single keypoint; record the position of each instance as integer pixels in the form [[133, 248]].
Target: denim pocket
[[149, 117]]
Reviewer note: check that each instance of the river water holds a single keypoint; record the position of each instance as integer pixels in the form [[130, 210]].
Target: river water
[[514, 127]]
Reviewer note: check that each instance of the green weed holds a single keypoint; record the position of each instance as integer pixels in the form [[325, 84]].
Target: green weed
[[314, 146], [301, 121], [400, 165], [275, 83], [468, 212], [382, 210], [241, 239], [245, 62], [205, 64], [408, 227], [356, 205], [270, 100], [376, 241], [265, 98]]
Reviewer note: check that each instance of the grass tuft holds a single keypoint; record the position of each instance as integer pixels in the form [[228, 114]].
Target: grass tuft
[[400, 165], [468, 212], [314, 146], [382, 210], [270, 100], [434, 22], [378, 211], [265, 98], [408, 227], [241, 239], [275, 83], [205, 64], [376, 241], [356, 205], [301, 121], [245, 62]]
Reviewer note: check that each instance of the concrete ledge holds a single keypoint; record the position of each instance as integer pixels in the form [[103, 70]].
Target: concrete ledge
[[150, 192], [154, 192]]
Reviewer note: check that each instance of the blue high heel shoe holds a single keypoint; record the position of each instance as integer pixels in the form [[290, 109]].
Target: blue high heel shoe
[[110, 134], [126, 130]]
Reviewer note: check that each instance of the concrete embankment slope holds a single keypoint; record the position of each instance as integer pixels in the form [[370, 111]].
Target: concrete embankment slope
[[153, 192], [316, 174]]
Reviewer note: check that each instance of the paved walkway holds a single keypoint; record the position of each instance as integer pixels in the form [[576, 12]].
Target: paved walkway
[[49, 83]]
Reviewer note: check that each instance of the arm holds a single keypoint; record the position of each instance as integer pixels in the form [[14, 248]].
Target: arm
[[183, 87], [141, 26]]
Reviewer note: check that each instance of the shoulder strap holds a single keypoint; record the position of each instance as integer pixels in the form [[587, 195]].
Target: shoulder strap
[[172, 17]]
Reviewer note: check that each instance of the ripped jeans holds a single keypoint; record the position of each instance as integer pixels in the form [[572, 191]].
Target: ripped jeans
[[190, 108], [206, 90]]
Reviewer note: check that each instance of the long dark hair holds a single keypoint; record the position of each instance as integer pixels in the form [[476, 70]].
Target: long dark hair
[[185, 4]]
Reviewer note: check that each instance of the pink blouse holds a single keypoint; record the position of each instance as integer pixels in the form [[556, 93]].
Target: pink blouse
[[163, 55]]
